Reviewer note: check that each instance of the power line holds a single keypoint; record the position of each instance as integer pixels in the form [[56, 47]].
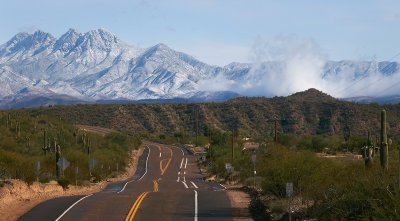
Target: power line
[[384, 69], [386, 89]]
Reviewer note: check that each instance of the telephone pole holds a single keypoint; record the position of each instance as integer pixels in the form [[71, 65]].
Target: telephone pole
[[233, 150]]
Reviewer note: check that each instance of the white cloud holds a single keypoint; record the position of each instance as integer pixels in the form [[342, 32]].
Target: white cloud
[[285, 65]]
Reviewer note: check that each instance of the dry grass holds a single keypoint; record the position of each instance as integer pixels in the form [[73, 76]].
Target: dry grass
[[17, 198]]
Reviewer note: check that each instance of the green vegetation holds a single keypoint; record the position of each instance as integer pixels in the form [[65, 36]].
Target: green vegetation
[[28, 137], [306, 113], [337, 187], [341, 188]]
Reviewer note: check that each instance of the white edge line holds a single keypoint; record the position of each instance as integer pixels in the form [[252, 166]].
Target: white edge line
[[222, 186], [123, 188], [69, 208], [181, 164], [184, 183], [178, 179], [193, 184], [196, 206], [184, 179], [186, 163], [147, 159]]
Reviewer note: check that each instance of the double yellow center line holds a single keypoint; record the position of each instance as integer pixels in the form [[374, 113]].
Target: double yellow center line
[[139, 200], [135, 207], [163, 169]]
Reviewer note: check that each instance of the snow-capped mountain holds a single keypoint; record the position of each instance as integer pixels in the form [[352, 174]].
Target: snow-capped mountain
[[97, 65]]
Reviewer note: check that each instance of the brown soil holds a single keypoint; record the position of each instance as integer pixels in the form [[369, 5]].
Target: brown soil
[[98, 130], [240, 202], [17, 198]]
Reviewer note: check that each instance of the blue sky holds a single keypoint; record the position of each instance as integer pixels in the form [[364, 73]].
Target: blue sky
[[220, 31]]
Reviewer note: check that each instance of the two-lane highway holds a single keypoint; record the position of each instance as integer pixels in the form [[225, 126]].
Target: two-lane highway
[[166, 186]]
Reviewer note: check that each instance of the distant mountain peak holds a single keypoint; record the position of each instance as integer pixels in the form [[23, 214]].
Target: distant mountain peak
[[98, 65], [161, 46], [25, 41], [67, 41], [103, 34]]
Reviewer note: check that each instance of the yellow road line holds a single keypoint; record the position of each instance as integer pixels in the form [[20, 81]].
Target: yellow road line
[[133, 207], [163, 169], [155, 186], [161, 166], [137, 206]]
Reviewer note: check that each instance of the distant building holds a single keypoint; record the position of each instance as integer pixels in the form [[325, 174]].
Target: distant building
[[251, 146]]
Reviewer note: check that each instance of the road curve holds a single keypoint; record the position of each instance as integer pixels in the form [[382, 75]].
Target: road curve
[[166, 186]]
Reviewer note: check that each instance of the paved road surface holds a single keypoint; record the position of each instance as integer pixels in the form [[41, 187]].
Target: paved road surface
[[166, 186]]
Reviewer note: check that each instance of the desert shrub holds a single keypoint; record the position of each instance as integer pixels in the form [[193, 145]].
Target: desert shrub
[[63, 182]]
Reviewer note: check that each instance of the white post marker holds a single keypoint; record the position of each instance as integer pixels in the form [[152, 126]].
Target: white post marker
[[196, 206], [69, 208]]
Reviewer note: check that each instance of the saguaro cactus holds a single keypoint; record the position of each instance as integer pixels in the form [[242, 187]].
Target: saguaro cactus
[[384, 156], [368, 151], [58, 156], [8, 121], [45, 147]]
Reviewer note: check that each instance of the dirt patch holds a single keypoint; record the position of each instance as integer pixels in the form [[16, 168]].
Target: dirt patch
[[240, 202], [17, 198], [98, 130]]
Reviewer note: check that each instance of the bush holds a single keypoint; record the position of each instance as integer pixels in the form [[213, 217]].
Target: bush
[[64, 183]]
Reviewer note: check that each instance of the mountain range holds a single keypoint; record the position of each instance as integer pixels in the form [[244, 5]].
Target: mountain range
[[97, 67]]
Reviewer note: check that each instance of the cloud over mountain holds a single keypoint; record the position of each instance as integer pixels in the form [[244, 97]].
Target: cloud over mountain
[[97, 65]]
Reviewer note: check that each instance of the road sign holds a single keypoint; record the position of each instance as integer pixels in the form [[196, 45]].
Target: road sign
[[229, 168], [37, 166], [92, 163], [63, 163], [289, 189]]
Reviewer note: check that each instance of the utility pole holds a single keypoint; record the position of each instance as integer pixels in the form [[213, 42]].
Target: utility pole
[[233, 150], [209, 139]]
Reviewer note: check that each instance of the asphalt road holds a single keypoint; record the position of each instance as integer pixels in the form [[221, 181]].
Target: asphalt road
[[166, 186]]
